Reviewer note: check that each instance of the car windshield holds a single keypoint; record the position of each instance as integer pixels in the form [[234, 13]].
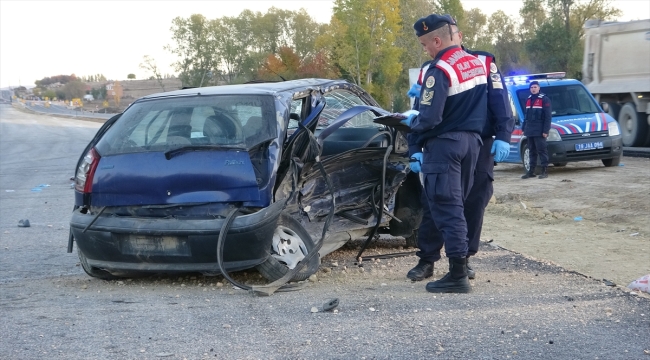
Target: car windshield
[[212, 121], [565, 100]]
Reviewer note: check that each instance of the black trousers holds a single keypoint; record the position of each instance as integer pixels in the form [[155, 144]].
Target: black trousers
[[537, 146], [448, 175]]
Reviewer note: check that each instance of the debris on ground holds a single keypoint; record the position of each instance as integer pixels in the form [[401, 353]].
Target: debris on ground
[[23, 223], [641, 284]]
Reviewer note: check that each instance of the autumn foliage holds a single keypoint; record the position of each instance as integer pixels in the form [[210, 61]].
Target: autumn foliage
[[288, 65]]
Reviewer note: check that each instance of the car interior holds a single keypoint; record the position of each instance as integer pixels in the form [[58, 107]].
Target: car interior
[[358, 132]]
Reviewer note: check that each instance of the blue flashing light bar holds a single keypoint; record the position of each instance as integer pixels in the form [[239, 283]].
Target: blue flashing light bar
[[523, 79]]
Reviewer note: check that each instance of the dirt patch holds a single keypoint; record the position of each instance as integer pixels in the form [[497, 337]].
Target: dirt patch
[[585, 217]]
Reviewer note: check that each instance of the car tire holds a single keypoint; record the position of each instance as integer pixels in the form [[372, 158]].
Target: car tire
[[412, 240], [559, 164], [93, 271], [633, 126], [274, 267], [612, 162]]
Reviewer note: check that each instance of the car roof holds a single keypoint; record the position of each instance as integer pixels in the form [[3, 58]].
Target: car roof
[[266, 88]]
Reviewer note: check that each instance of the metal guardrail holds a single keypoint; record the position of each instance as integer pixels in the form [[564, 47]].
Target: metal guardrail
[[71, 114]]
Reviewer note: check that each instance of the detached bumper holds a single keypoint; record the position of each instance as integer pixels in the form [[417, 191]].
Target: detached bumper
[[132, 244], [565, 151]]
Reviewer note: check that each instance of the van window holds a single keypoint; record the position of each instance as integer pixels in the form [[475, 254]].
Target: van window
[[565, 100], [515, 114]]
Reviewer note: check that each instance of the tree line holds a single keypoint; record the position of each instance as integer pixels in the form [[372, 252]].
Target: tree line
[[372, 43]]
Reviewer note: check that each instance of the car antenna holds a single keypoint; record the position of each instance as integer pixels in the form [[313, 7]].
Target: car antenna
[[269, 69]]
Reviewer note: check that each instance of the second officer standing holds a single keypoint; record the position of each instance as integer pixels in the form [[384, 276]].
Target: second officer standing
[[451, 118]]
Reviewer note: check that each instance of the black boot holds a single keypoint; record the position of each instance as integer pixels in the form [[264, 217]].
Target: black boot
[[544, 173], [471, 274], [455, 281], [529, 174], [421, 271]]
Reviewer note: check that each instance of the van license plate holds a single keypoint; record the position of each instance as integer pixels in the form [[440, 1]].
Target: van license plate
[[589, 146]]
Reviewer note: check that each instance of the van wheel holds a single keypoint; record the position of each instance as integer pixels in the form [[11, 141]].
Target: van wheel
[[291, 244], [525, 159], [612, 162], [525, 156], [634, 128], [93, 271]]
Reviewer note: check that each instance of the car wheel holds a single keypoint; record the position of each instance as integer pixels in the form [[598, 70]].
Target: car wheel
[[93, 271], [559, 164], [633, 127], [612, 162], [412, 240], [291, 244]]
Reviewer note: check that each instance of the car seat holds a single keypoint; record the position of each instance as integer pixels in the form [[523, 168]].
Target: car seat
[[220, 129], [180, 130], [253, 128]]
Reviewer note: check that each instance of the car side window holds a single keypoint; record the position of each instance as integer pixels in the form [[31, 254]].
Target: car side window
[[295, 115], [337, 102]]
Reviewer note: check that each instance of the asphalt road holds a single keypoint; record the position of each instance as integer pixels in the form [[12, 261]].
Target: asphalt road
[[519, 308]]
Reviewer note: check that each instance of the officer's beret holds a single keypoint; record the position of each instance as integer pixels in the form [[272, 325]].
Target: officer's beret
[[533, 83], [432, 22]]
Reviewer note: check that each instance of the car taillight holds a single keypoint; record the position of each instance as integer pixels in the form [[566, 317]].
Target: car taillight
[[86, 171]]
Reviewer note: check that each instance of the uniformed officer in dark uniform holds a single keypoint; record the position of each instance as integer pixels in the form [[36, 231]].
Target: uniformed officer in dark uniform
[[496, 147], [537, 124], [452, 114]]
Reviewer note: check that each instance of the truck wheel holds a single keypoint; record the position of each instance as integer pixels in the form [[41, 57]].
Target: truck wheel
[[93, 271], [612, 162], [647, 117], [634, 128], [291, 244]]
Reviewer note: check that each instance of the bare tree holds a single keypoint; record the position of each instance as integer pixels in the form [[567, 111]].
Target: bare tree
[[149, 64]]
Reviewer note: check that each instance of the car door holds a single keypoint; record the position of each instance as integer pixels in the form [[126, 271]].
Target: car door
[[353, 152]]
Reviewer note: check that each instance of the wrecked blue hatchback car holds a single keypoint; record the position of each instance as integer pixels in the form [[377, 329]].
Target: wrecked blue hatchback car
[[233, 177]]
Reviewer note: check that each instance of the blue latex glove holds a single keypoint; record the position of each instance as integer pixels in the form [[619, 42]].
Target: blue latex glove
[[500, 150], [414, 91], [408, 120], [415, 162]]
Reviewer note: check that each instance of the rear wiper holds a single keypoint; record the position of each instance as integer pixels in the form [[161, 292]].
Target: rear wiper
[[171, 153]]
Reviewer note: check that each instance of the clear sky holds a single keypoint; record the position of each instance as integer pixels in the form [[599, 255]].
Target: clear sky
[[47, 38]]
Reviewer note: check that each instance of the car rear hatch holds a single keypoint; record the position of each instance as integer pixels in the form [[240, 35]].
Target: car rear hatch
[[188, 150], [188, 177]]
